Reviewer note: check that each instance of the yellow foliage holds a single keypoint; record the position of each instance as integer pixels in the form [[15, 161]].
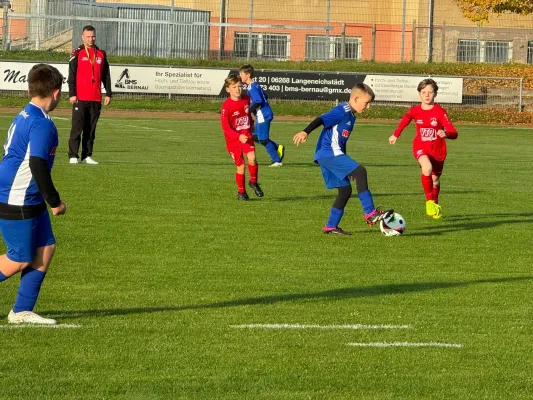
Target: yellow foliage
[[480, 10]]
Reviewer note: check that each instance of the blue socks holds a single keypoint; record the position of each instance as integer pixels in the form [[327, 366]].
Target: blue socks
[[366, 201], [2, 277], [30, 285], [334, 217], [272, 150]]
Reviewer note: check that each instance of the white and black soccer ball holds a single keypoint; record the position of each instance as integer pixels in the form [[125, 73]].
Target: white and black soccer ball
[[394, 225]]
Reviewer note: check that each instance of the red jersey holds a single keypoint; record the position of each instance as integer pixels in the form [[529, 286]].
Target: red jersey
[[235, 118], [88, 69], [428, 122]]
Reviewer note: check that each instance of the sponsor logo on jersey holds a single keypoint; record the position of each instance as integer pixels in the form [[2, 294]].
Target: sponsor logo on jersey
[[419, 121], [428, 134], [345, 133]]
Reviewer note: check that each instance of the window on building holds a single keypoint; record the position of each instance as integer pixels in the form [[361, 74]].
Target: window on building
[[262, 45], [530, 52], [332, 47], [489, 51]]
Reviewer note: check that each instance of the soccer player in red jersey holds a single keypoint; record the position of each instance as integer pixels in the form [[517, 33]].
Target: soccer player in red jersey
[[238, 127], [433, 127]]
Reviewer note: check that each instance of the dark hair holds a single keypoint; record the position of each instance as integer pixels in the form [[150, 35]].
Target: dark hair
[[232, 79], [247, 69], [363, 87], [88, 28], [427, 82], [43, 79]]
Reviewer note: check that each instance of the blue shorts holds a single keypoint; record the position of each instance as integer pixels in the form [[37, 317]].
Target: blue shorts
[[262, 130], [22, 237], [335, 170]]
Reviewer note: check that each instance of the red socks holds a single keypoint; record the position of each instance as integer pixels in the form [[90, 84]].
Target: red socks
[[253, 169], [436, 191], [427, 185], [240, 183]]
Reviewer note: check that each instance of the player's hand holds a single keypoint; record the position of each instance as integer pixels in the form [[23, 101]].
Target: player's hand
[[300, 137], [107, 100], [392, 139], [73, 99], [60, 209], [441, 133], [243, 138]]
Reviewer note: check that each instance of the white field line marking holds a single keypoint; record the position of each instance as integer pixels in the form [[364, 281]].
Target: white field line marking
[[66, 119], [299, 326], [143, 127], [58, 326], [405, 344]]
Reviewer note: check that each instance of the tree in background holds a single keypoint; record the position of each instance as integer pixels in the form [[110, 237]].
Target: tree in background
[[480, 10]]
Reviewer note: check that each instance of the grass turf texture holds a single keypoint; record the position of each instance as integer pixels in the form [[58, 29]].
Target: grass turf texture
[[157, 259]]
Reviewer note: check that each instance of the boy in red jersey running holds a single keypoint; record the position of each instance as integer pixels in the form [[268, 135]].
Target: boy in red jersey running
[[238, 127], [429, 145]]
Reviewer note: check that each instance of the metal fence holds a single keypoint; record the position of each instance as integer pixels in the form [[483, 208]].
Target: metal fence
[[393, 31]]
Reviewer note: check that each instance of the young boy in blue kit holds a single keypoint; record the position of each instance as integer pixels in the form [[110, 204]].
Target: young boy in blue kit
[[25, 188], [338, 169], [260, 107]]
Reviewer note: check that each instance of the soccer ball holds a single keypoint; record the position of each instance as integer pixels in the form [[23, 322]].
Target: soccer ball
[[394, 225]]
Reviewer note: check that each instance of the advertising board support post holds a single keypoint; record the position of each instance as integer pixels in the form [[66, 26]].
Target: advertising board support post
[[6, 5]]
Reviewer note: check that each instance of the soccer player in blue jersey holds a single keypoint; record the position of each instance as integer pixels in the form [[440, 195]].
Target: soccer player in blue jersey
[[260, 108], [25, 186], [338, 168]]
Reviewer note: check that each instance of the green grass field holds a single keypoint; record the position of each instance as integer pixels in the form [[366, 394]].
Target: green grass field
[[158, 264]]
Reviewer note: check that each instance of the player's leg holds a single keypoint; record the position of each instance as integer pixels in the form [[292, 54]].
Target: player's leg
[[372, 214], [90, 135], [427, 182], [253, 169], [15, 235], [435, 176], [344, 191], [76, 130], [262, 131], [33, 275], [237, 156]]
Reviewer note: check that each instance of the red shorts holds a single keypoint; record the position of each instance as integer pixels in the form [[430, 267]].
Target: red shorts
[[237, 149], [437, 165]]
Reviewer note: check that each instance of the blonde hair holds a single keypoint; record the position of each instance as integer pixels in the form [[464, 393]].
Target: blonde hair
[[231, 80]]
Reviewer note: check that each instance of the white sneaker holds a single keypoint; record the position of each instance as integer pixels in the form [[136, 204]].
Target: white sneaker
[[73, 160], [276, 164], [28, 317], [89, 160]]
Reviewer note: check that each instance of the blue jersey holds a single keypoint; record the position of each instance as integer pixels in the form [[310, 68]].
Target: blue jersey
[[32, 134], [257, 96], [338, 125]]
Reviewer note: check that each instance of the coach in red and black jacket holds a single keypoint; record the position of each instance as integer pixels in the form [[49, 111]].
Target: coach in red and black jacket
[[88, 69]]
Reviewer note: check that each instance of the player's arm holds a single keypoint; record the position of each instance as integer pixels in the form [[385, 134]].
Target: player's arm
[[40, 147], [226, 124], [449, 130], [404, 122], [72, 71], [256, 100], [106, 77], [301, 137]]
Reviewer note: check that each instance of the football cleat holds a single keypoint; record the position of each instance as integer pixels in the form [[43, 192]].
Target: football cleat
[[276, 164], [281, 152], [257, 189], [431, 208], [336, 231], [438, 212], [377, 215], [28, 317], [242, 196]]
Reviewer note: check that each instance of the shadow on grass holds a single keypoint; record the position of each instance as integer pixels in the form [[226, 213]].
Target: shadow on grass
[[328, 295], [355, 197], [471, 222]]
